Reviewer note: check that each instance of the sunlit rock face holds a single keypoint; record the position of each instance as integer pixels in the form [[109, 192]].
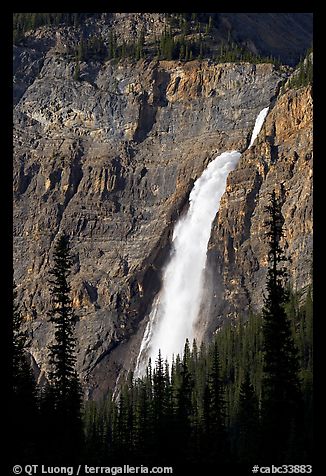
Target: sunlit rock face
[[111, 159], [280, 159]]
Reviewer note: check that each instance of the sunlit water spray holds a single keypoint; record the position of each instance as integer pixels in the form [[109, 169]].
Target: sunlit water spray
[[175, 310], [258, 125]]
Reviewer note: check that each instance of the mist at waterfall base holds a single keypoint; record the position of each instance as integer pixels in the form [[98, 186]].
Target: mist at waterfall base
[[175, 310]]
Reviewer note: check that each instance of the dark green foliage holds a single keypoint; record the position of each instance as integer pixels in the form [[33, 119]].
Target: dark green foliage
[[24, 395], [87, 49], [112, 48], [303, 76], [62, 352], [189, 36], [232, 52], [166, 47], [19, 344], [215, 410], [94, 425], [145, 420], [248, 427], [18, 36], [30, 21], [81, 50], [64, 391], [47, 421], [281, 395], [299, 310], [134, 50], [77, 72], [205, 412], [160, 402], [140, 46], [183, 403]]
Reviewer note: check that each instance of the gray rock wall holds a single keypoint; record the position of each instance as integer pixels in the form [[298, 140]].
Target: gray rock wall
[[111, 160]]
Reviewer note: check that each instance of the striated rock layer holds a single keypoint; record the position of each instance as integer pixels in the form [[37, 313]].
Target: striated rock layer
[[280, 159], [111, 160]]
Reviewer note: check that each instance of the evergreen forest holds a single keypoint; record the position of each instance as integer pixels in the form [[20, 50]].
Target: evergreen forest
[[187, 36], [244, 398]]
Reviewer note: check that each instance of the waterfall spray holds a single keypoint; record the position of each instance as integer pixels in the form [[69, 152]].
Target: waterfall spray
[[258, 125], [175, 310]]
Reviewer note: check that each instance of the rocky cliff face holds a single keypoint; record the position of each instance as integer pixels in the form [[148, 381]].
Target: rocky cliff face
[[280, 159], [111, 160]]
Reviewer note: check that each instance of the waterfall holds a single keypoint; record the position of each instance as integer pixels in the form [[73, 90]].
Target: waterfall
[[175, 310], [258, 125]]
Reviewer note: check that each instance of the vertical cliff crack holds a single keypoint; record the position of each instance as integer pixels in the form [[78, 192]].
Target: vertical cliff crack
[[75, 177], [148, 111]]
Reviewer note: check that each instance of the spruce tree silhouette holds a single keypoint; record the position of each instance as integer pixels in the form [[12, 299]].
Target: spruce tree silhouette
[[281, 393], [63, 396]]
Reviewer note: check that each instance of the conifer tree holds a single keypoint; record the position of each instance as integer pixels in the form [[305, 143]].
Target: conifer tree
[[124, 424], [64, 383], [94, 421], [76, 74], [162, 417], [24, 396], [281, 395], [217, 412], [184, 405], [81, 50], [248, 422], [112, 47], [144, 420], [140, 45], [158, 394]]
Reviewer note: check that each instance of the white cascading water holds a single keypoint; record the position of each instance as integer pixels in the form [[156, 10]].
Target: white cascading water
[[175, 309], [258, 125]]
